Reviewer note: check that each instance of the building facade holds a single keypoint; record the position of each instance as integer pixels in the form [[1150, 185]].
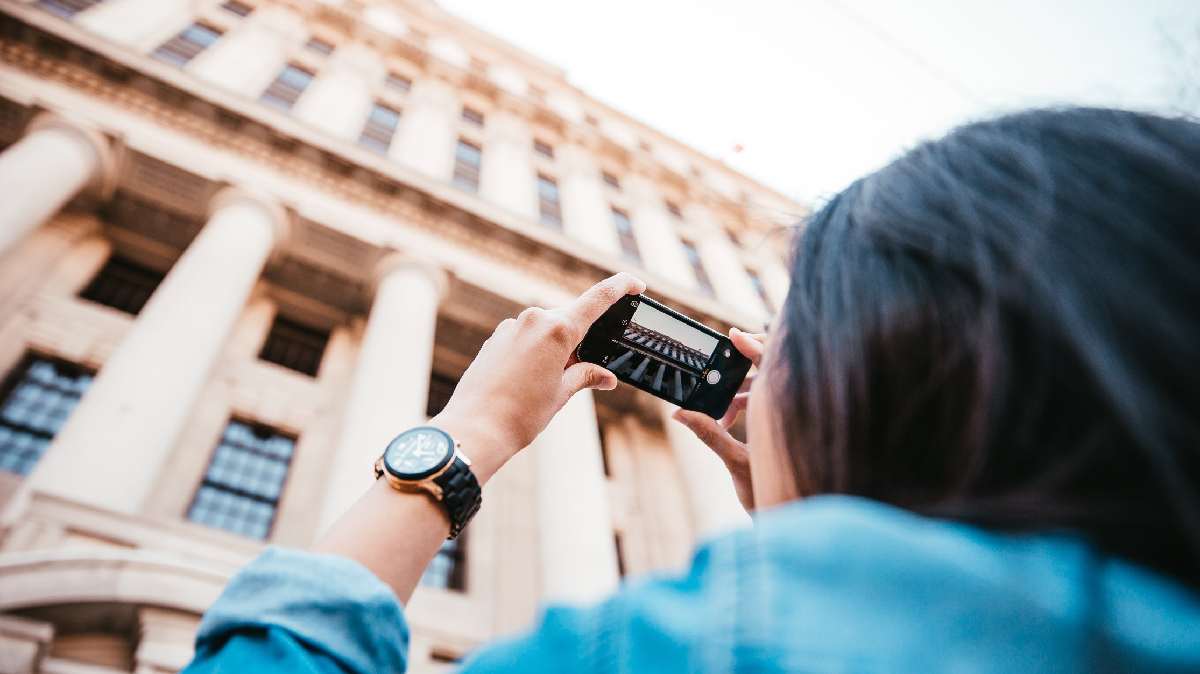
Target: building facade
[[244, 243]]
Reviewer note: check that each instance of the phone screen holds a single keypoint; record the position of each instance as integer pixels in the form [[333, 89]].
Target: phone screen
[[663, 353], [666, 354]]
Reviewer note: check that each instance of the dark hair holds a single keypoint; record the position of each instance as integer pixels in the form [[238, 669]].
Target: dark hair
[[1003, 327]]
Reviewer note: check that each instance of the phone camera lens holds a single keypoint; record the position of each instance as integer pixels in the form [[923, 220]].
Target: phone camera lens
[[728, 353], [713, 377]]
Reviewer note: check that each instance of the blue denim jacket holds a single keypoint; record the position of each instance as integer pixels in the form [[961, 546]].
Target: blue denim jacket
[[830, 584]]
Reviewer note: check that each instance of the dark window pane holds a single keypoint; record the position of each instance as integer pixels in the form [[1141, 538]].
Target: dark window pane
[[620, 554], [381, 126], [122, 284], [185, 46], [447, 570], [241, 487], [239, 8], [35, 402], [467, 159], [693, 257], [441, 387], [320, 46], [295, 346], [549, 205], [544, 149], [761, 289], [287, 87], [66, 8], [625, 234], [472, 116], [398, 82]]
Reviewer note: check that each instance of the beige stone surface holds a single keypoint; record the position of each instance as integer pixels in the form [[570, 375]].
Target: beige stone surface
[[108, 151]]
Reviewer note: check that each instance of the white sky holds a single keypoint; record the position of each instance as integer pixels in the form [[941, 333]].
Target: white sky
[[820, 92], [682, 332]]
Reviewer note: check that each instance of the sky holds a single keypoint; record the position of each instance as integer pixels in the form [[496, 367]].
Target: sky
[[820, 92], [683, 333]]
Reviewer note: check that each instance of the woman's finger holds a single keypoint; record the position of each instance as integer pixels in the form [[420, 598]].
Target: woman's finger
[[596, 300], [751, 345], [710, 433]]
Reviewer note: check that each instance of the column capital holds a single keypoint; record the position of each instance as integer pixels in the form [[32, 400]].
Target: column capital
[[396, 262], [277, 214], [103, 181]]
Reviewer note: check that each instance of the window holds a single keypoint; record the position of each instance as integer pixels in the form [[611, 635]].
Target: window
[[761, 289], [323, 47], [294, 346], [185, 46], [673, 209], [122, 284], [35, 402], [398, 83], [441, 387], [625, 234], [543, 148], [467, 158], [67, 8], [287, 87], [620, 554], [241, 487], [239, 8], [549, 206], [693, 257], [381, 126], [610, 180], [472, 116], [447, 570]]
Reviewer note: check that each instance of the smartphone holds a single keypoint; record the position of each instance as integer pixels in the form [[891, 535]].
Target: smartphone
[[666, 354]]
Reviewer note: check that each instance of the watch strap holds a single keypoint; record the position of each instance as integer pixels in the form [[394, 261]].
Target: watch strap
[[461, 494]]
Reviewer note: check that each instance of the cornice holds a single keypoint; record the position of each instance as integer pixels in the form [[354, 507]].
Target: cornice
[[115, 79]]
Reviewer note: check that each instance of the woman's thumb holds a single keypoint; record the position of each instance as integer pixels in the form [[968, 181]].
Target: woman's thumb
[[587, 375]]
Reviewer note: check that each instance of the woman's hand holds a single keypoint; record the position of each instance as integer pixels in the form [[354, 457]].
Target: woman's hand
[[715, 434], [524, 374]]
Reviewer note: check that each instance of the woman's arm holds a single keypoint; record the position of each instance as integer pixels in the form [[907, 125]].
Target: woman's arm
[[522, 376]]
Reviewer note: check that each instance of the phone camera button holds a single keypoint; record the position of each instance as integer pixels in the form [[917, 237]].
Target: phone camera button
[[713, 377]]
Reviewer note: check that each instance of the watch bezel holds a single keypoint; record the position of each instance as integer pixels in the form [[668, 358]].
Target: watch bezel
[[416, 477]]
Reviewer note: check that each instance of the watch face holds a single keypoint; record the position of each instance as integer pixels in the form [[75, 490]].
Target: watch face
[[418, 453]]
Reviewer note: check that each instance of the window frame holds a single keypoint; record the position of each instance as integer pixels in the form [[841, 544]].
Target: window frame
[[9, 385], [208, 481]]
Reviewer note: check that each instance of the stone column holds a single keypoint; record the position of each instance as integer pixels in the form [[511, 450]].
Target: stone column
[[390, 385], [55, 160], [657, 238], [429, 129], [586, 210], [249, 57], [141, 24], [507, 176], [111, 449], [340, 97], [714, 505], [579, 558], [723, 264]]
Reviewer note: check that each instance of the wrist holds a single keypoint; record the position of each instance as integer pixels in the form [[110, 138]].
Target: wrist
[[486, 448]]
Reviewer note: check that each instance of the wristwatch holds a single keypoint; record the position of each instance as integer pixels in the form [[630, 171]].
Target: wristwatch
[[426, 459]]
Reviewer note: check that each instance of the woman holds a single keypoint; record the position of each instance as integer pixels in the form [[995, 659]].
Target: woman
[[973, 442]]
